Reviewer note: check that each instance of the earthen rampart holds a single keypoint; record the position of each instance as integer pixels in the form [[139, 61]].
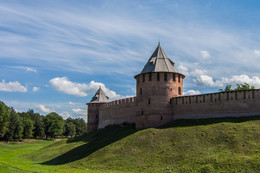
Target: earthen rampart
[[118, 112], [222, 104]]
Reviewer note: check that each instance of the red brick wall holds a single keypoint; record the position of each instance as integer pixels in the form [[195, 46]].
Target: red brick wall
[[153, 98], [117, 112], [226, 104], [93, 116], [160, 103]]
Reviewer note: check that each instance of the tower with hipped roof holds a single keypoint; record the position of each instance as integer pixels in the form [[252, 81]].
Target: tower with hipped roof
[[158, 82], [99, 99]]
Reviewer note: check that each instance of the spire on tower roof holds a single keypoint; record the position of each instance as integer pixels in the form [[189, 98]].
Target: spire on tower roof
[[100, 96], [159, 62]]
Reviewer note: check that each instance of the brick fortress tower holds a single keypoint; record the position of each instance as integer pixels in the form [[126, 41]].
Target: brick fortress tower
[[99, 99], [157, 83]]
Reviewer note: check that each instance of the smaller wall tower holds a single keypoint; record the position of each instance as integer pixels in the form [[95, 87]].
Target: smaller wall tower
[[158, 82], [93, 109]]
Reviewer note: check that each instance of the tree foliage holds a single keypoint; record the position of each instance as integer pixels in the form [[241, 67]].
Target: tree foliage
[[70, 129], [240, 87], [81, 126], [4, 117], [37, 123], [27, 128], [54, 124], [15, 126], [30, 124], [245, 86]]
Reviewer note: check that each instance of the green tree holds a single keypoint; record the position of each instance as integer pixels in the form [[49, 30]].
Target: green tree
[[69, 120], [38, 123], [240, 87], [81, 126], [54, 125], [243, 87], [4, 118], [227, 89], [38, 127], [15, 127], [27, 128], [70, 129]]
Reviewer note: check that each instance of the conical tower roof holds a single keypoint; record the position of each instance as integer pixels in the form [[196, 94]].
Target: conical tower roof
[[99, 97], [159, 62]]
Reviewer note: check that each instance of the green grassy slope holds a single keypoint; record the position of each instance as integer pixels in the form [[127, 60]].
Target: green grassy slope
[[212, 145], [14, 158]]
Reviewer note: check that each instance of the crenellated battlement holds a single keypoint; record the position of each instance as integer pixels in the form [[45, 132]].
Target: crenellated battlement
[[118, 102], [216, 97], [222, 104]]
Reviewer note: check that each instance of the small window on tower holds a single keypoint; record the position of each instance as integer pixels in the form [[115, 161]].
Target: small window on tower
[[165, 76], [150, 76], [179, 89], [143, 77], [149, 101], [173, 76], [142, 112], [179, 78], [158, 76]]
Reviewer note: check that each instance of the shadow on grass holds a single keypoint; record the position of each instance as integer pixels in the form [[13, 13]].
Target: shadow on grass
[[104, 137], [196, 122], [94, 141]]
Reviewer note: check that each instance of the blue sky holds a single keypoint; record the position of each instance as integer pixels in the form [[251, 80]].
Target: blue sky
[[55, 54]]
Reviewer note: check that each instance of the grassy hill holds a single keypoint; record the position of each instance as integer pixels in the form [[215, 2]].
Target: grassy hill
[[212, 145]]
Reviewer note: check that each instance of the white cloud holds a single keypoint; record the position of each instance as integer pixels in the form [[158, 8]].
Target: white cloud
[[71, 103], [205, 54], [191, 92], [44, 109], [257, 52], [205, 80], [29, 69], [240, 79], [64, 85], [80, 111], [12, 87], [65, 115], [198, 72], [35, 89], [184, 70]]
